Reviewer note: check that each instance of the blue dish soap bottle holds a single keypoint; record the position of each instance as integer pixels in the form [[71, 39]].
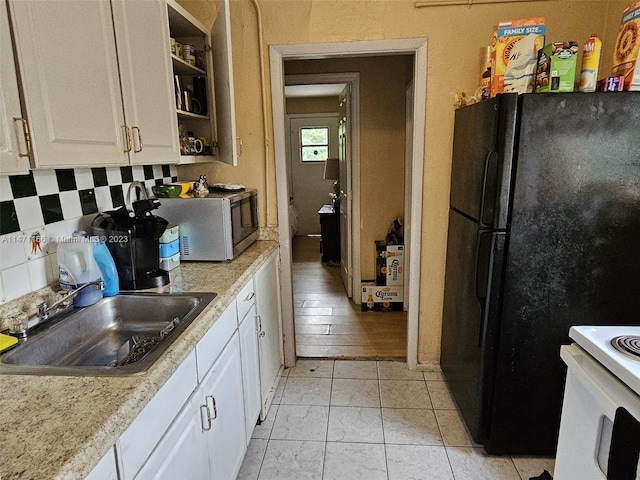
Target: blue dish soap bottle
[[107, 267], [76, 266]]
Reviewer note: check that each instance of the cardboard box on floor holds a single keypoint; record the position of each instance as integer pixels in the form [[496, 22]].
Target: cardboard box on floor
[[379, 298], [389, 264]]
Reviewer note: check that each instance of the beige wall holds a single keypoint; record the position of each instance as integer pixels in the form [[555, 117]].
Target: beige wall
[[454, 36], [312, 105]]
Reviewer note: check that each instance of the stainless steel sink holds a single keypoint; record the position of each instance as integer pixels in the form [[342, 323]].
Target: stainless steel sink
[[119, 335]]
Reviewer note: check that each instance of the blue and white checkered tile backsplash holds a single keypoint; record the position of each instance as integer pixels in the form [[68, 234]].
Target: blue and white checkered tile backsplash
[[50, 204]]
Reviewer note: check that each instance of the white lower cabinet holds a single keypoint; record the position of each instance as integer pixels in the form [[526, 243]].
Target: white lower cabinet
[[207, 439], [222, 393], [106, 468], [211, 345], [267, 284], [201, 420], [250, 370], [138, 441], [182, 451]]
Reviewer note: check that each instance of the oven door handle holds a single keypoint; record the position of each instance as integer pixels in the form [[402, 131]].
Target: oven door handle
[[625, 447]]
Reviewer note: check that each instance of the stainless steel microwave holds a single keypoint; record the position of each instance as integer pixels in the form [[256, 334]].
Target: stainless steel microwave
[[217, 227]]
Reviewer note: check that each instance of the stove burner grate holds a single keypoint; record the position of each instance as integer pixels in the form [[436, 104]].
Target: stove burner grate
[[627, 344]]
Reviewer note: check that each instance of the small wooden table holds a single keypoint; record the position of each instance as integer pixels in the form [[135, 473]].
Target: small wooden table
[[330, 234]]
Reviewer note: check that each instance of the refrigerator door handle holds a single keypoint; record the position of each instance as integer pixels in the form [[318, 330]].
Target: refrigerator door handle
[[483, 262], [489, 186], [491, 256]]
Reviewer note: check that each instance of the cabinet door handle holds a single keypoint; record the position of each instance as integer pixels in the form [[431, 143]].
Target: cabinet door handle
[[26, 134], [250, 297], [206, 417], [126, 130], [139, 136], [213, 403], [259, 331], [259, 322]]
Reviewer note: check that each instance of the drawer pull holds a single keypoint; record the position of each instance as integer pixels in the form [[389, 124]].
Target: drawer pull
[[206, 417], [250, 297], [215, 409]]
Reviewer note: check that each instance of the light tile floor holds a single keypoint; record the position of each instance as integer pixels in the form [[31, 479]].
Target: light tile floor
[[368, 420]]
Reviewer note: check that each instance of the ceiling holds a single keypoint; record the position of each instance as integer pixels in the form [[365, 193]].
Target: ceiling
[[315, 90]]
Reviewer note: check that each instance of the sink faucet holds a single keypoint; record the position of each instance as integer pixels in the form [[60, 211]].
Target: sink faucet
[[44, 309]]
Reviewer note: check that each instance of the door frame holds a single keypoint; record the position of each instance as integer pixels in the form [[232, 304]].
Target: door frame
[[277, 54]]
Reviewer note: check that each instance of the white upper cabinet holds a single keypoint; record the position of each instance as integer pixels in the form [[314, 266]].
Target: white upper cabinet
[[14, 157], [146, 77], [212, 116], [191, 81], [223, 77], [71, 80], [100, 86], [69, 67]]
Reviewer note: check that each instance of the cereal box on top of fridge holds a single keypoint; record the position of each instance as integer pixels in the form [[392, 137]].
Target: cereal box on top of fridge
[[627, 49], [516, 55], [557, 67]]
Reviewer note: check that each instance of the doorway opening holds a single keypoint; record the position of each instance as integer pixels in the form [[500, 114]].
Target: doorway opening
[[313, 139], [415, 49]]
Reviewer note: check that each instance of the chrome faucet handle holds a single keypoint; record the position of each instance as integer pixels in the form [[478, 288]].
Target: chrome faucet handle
[[62, 301], [43, 310], [19, 324]]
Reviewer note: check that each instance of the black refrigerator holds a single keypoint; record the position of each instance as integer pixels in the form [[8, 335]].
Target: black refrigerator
[[544, 233]]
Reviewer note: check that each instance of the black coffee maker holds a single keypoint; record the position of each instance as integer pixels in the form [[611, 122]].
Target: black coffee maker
[[132, 235]]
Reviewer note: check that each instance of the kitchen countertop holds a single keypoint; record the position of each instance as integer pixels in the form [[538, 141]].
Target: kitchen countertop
[[55, 427]]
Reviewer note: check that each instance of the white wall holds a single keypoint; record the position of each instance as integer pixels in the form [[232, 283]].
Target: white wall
[[307, 186]]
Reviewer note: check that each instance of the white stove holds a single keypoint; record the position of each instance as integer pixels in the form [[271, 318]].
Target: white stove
[[596, 341], [601, 406]]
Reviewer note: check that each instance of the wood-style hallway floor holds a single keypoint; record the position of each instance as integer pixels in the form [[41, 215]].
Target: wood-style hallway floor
[[328, 324]]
